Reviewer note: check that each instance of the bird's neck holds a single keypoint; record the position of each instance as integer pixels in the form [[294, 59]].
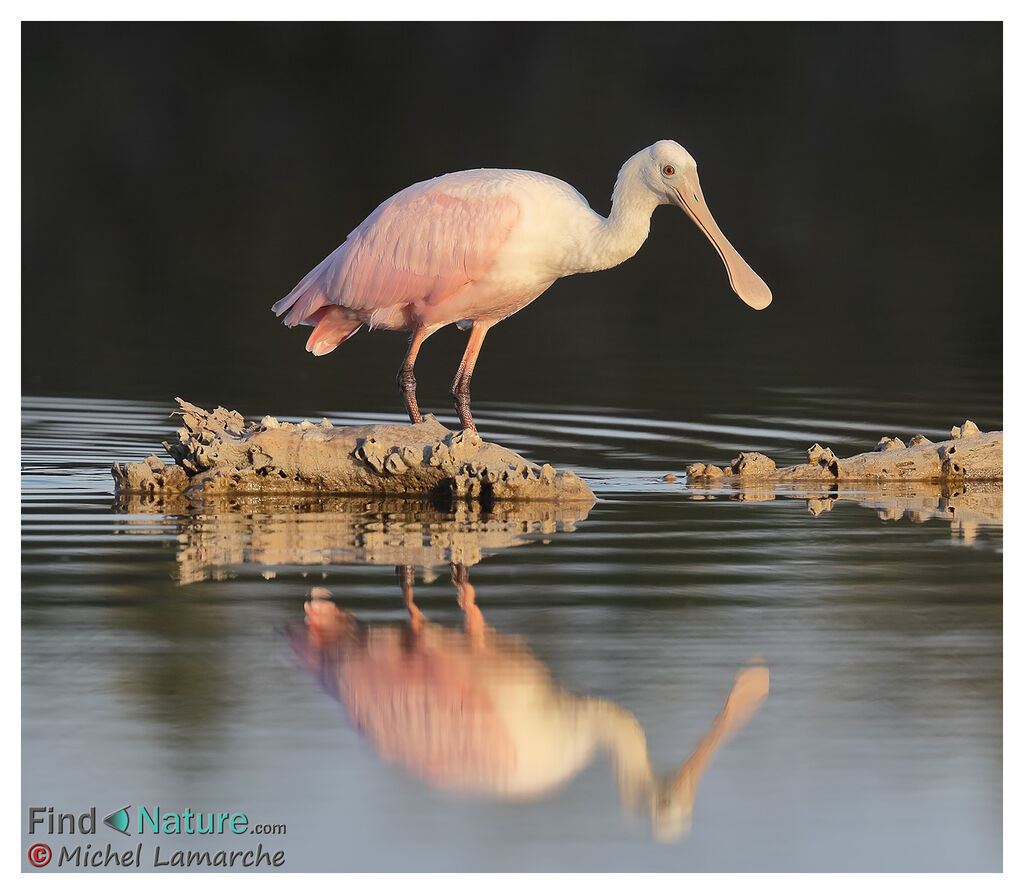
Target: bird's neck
[[617, 731], [619, 236]]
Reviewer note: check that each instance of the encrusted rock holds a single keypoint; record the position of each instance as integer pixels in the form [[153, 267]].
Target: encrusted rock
[[824, 458], [889, 444], [752, 465], [699, 471], [393, 463], [964, 431], [371, 452], [816, 451], [218, 453], [952, 465], [974, 456], [149, 476]]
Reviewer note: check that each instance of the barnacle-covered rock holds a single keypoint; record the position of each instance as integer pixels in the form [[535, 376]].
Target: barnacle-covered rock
[[971, 454], [889, 444], [752, 465], [964, 431], [824, 459], [217, 452]]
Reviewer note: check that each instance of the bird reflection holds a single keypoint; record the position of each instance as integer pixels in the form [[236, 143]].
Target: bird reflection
[[475, 711]]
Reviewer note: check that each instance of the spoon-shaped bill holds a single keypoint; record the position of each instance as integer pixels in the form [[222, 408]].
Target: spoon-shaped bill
[[673, 804], [745, 283]]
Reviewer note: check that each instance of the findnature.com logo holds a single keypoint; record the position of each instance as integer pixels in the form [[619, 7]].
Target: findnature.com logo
[[148, 821]]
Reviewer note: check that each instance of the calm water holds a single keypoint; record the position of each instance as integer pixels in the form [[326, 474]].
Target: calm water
[[166, 656], [166, 660]]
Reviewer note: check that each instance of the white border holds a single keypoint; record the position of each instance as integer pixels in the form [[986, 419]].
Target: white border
[[10, 54]]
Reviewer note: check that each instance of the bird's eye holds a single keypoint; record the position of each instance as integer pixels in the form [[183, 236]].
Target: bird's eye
[[668, 170]]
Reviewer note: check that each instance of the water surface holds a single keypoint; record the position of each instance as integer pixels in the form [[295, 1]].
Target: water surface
[[167, 660]]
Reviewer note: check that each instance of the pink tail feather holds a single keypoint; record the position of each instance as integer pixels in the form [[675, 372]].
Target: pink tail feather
[[334, 325], [309, 304], [311, 294]]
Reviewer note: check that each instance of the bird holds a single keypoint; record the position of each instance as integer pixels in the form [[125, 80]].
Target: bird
[[474, 247], [476, 712]]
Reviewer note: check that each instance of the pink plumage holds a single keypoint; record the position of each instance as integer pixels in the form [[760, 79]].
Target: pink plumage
[[403, 265], [425, 700], [421, 708], [477, 246], [333, 326]]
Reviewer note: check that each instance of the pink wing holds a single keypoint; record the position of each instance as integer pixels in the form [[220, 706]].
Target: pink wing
[[423, 710], [419, 247]]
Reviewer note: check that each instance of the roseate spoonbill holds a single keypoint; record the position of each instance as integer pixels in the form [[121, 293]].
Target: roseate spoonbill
[[477, 712], [474, 247]]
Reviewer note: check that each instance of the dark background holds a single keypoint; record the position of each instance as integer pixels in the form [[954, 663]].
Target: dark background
[[179, 179]]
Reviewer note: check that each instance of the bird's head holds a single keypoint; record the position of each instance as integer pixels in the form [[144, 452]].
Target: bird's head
[[670, 172]]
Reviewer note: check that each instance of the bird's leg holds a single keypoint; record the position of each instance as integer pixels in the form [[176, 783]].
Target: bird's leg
[[460, 387], [327, 623], [407, 575], [467, 602], [406, 379]]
